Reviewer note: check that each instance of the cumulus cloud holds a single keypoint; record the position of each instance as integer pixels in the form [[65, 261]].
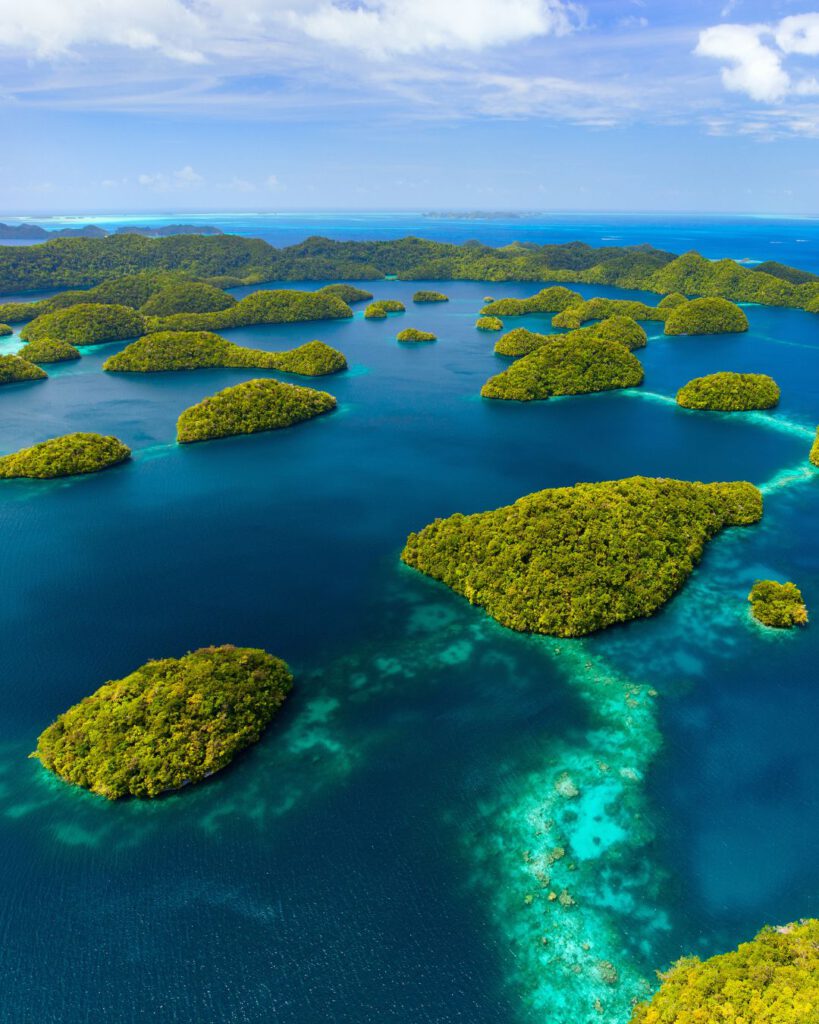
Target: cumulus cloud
[[185, 177], [755, 56], [753, 67]]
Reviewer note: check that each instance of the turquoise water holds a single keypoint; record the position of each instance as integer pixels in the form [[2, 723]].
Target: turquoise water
[[387, 852]]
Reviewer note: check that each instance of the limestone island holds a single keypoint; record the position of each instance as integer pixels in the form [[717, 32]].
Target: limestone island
[[430, 297], [569, 561], [193, 350], [67, 455], [520, 342], [706, 316], [412, 334], [13, 369], [571, 364], [169, 724], [379, 309], [187, 297], [730, 392], [602, 309], [277, 306], [772, 980], [623, 329], [671, 301], [489, 323], [48, 350], [249, 408], [814, 450], [5, 330], [778, 605], [347, 293], [87, 323], [548, 300]]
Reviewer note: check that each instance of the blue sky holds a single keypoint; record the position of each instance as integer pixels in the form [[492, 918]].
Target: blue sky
[[687, 105]]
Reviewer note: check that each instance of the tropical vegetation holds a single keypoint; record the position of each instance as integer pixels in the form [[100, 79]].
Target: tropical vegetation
[[572, 560], [773, 979], [706, 316], [575, 316], [68, 455], [520, 342], [576, 363], [192, 350], [48, 350], [347, 293], [548, 300], [249, 408], [779, 605], [14, 369], [730, 392], [412, 334], [423, 296], [489, 323], [187, 297], [89, 323], [278, 306], [169, 724]]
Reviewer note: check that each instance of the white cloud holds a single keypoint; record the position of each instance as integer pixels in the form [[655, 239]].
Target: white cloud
[[187, 176], [756, 54], [753, 67], [383, 27], [272, 181]]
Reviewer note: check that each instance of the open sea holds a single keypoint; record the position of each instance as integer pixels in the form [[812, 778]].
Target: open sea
[[385, 854]]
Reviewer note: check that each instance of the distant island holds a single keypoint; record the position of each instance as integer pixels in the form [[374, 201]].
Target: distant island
[[86, 324], [68, 455], [527, 564], [249, 408], [169, 724], [413, 334], [13, 369], [33, 232]]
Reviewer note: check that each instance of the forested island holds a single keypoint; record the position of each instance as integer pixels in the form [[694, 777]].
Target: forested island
[[68, 455], [249, 408], [706, 316], [576, 363], [527, 564], [427, 296], [730, 392], [169, 724], [48, 350], [779, 605], [548, 300], [379, 309], [520, 342], [13, 369], [489, 323], [86, 324], [772, 980], [413, 334], [193, 350], [231, 260]]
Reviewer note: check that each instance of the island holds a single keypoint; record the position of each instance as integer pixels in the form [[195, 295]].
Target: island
[[13, 369], [623, 329], [347, 293], [48, 350], [67, 455], [779, 605], [773, 979], [5, 330], [379, 309], [669, 302], [571, 364], [730, 392], [423, 296], [569, 561], [814, 450], [193, 350], [88, 323], [520, 342], [249, 408], [169, 724], [489, 323], [548, 300], [575, 316], [412, 334], [229, 260], [187, 297], [278, 306], [706, 316]]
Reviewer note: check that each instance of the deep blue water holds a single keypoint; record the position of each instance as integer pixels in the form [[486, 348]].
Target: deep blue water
[[363, 862]]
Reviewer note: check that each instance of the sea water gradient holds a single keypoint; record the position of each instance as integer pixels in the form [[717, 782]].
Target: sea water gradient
[[450, 822]]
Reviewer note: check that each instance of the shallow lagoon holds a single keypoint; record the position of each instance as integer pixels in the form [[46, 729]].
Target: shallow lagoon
[[371, 859]]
